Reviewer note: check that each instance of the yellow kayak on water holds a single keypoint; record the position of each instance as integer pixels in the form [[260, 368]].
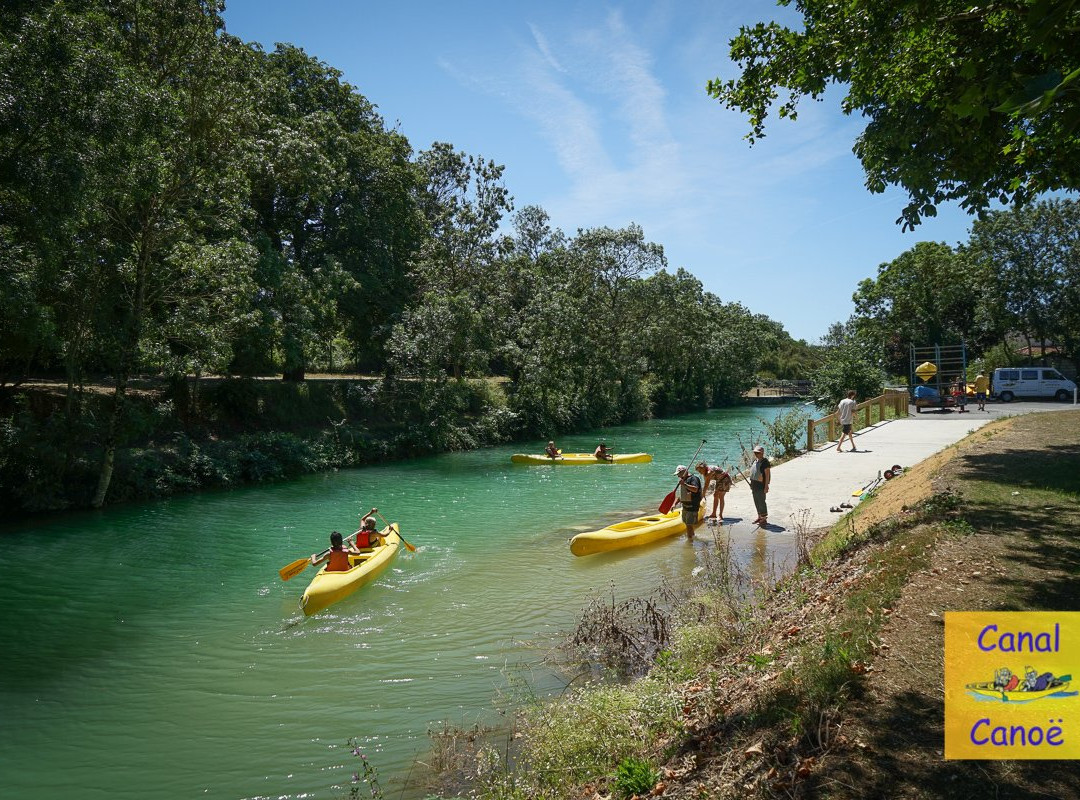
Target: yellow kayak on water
[[326, 588], [581, 458], [631, 533]]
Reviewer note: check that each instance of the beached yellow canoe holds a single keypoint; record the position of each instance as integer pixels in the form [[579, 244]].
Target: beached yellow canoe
[[327, 588], [988, 690], [581, 458], [631, 533]]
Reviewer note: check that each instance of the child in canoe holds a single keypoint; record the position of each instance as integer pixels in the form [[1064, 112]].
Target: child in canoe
[[338, 555], [364, 539], [368, 537]]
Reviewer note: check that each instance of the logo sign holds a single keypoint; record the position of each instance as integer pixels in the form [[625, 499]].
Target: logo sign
[[1009, 687]]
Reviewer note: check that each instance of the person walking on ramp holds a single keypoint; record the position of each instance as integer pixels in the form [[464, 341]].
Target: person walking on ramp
[[845, 414]]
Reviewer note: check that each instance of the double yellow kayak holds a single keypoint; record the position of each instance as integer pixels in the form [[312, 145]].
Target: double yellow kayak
[[989, 690], [581, 458], [631, 533], [326, 588]]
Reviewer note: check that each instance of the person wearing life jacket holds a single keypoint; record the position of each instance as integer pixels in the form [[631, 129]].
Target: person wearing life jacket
[[552, 451], [338, 556], [689, 494], [368, 537]]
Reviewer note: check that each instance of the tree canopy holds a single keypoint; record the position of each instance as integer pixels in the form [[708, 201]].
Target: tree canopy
[[1015, 279], [177, 202], [964, 102]]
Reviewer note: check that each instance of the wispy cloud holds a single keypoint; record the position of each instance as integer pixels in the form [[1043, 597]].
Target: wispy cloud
[[542, 46], [593, 95], [623, 110]]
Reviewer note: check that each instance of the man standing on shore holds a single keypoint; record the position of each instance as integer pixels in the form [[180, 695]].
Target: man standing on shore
[[760, 475], [845, 413], [690, 497]]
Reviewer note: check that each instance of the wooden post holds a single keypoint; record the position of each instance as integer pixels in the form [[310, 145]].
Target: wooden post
[[881, 407], [809, 435], [866, 411], [832, 428]]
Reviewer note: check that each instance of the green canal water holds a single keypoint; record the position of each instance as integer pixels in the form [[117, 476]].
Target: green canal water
[[153, 652]]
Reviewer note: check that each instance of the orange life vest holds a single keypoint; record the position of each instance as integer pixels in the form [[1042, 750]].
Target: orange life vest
[[339, 561], [363, 538]]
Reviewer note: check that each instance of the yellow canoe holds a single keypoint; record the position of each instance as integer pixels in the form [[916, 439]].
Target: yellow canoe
[[326, 588], [631, 533], [581, 458], [989, 690]]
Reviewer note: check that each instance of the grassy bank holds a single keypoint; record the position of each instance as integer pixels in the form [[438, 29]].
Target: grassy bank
[[828, 683]]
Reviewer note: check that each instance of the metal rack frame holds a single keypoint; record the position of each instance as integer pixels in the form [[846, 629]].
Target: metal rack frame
[[950, 360]]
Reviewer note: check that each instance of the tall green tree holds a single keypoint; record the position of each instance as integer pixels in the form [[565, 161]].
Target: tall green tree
[[848, 362], [963, 102], [135, 111], [457, 319], [335, 217], [928, 295], [1029, 260]]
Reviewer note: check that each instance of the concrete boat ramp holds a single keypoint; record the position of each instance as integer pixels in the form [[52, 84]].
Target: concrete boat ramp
[[812, 483]]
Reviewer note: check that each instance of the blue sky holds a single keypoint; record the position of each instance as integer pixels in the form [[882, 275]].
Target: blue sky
[[598, 112]]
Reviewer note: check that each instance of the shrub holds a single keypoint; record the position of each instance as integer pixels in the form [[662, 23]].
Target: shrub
[[786, 431], [634, 776]]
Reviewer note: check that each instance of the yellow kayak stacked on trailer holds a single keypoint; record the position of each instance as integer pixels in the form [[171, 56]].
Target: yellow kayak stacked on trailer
[[631, 533], [581, 458], [326, 588]]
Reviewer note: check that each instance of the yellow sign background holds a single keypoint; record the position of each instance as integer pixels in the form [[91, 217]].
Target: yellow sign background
[[966, 662]]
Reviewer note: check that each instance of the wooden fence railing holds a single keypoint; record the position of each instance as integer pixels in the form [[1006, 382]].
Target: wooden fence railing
[[891, 405]]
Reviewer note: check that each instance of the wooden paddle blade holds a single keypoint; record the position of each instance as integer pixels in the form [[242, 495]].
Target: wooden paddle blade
[[667, 502], [294, 569]]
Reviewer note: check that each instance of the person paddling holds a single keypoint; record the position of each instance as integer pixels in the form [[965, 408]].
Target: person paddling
[[338, 557], [368, 536], [552, 451], [362, 541], [601, 453]]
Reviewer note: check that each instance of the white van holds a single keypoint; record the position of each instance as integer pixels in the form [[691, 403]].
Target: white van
[[1010, 382]]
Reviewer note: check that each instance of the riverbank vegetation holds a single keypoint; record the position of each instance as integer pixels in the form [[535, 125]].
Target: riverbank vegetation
[[766, 689], [176, 203]]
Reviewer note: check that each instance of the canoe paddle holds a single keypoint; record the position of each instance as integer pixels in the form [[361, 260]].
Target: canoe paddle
[[408, 546], [865, 486], [298, 566], [669, 501]]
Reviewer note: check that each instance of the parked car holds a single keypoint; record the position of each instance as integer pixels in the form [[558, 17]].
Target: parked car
[[1011, 382]]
